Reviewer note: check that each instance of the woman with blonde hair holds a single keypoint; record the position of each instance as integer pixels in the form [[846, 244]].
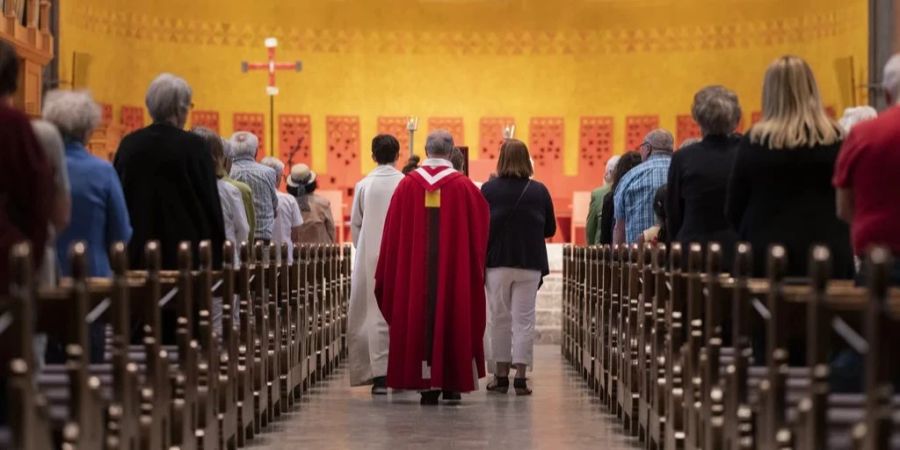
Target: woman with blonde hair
[[780, 189]]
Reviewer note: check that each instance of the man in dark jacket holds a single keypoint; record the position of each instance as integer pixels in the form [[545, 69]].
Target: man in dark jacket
[[169, 179]]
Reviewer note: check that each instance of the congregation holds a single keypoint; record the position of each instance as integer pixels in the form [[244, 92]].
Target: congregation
[[447, 272]]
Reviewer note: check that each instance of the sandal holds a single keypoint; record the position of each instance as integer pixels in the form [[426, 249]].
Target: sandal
[[521, 386], [499, 385]]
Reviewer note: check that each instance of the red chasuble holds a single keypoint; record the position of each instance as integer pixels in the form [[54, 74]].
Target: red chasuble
[[430, 281]]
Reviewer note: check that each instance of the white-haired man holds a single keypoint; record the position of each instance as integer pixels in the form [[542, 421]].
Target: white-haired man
[[288, 220], [866, 176], [169, 179], [592, 228], [429, 281], [261, 179]]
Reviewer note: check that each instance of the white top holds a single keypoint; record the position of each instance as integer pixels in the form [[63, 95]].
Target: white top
[[237, 229], [288, 217]]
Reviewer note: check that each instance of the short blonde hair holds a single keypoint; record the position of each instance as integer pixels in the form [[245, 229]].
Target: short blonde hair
[[793, 115], [514, 161]]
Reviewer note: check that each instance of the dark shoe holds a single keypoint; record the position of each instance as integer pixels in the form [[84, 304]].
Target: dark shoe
[[499, 385], [452, 398], [430, 398], [379, 386], [521, 386]]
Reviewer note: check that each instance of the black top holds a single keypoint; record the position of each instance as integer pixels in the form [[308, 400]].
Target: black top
[[697, 187], [786, 197], [170, 187], [607, 218], [518, 232]]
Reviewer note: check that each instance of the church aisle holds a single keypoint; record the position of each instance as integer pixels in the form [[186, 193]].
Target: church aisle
[[560, 415]]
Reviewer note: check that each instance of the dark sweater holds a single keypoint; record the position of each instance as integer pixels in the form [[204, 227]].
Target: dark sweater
[[518, 232]]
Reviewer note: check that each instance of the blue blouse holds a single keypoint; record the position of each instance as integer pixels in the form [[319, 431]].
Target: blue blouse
[[99, 215]]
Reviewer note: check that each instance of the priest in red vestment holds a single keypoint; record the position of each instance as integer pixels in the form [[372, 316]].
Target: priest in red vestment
[[429, 281]]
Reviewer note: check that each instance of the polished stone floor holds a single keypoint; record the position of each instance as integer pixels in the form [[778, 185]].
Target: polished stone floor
[[560, 415]]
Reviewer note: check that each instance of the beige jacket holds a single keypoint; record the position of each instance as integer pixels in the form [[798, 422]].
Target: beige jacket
[[318, 223]]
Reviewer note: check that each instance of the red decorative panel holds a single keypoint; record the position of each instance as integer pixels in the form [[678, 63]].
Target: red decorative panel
[[343, 153], [491, 136], [636, 128], [755, 118], [396, 126], [106, 115], [206, 119], [546, 139], [254, 123], [132, 118], [595, 144], [452, 124], [294, 140], [686, 129]]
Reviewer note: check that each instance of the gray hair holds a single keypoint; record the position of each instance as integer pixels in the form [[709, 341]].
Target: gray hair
[[227, 149], [439, 143], [660, 139], [167, 97], [274, 163], [74, 113], [717, 110], [610, 168], [853, 116], [244, 143], [891, 81]]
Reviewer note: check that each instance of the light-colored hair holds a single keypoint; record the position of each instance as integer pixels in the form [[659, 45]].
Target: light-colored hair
[[274, 163], [439, 143], [855, 115], [891, 78], [610, 168], [227, 149], [717, 110], [792, 115], [514, 160], [49, 138], [660, 140], [215, 147], [168, 96], [244, 143], [74, 113]]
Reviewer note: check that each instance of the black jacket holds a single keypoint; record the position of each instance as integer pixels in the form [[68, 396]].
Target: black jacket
[[169, 183], [517, 235]]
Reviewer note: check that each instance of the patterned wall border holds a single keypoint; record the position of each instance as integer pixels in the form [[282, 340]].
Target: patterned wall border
[[686, 38]]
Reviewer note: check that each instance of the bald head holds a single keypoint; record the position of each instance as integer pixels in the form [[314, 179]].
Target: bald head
[[439, 144], [657, 141]]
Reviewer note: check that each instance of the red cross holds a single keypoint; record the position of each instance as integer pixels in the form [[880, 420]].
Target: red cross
[[271, 66]]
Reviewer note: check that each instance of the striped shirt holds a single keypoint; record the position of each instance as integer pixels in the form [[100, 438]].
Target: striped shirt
[[261, 180], [635, 193]]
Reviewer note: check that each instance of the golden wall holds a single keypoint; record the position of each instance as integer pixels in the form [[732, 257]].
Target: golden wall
[[466, 58]]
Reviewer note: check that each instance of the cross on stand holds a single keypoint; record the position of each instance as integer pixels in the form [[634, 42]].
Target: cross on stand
[[271, 66]]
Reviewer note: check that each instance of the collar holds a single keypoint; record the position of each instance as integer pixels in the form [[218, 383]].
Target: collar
[[437, 162], [659, 155], [384, 169], [75, 146]]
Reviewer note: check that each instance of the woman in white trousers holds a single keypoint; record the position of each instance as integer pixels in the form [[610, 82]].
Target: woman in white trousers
[[521, 219]]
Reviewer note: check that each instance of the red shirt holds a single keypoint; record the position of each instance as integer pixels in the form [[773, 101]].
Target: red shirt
[[869, 164]]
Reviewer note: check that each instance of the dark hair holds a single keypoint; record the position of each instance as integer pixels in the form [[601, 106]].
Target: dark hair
[[659, 208], [307, 189], [457, 159], [514, 161], [385, 149], [628, 161], [214, 145], [411, 164], [9, 69]]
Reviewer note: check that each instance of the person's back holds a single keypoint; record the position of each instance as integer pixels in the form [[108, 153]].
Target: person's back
[[100, 216], [167, 176], [429, 281], [633, 201], [318, 222], [699, 190], [869, 164]]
